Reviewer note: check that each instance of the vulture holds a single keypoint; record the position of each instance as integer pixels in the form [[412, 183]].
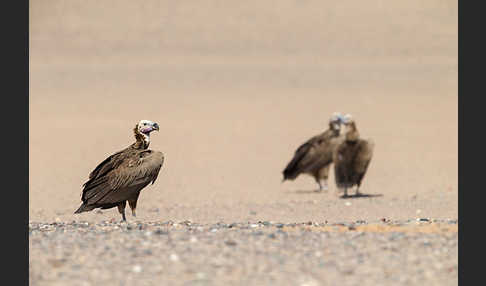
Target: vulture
[[121, 176], [351, 158], [314, 157]]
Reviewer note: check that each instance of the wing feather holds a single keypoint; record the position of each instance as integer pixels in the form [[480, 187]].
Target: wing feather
[[119, 177], [313, 154]]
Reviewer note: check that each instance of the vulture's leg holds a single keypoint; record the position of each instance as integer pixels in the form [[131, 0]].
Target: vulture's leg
[[319, 182], [324, 175], [326, 187], [121, 209], [133, 205], [357, 191], [345, 192]]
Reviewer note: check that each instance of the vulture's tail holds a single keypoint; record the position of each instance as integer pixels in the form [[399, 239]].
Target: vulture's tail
[[84, 208], [292, 170]]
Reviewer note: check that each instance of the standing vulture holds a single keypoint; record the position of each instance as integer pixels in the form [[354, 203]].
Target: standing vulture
[[122, 176], [351, 158], [314, 157]]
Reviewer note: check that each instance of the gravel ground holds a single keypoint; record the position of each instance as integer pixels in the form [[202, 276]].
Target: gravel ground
[[410, 252]]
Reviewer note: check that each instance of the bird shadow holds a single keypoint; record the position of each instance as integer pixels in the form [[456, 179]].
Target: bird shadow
[[360, 195], [303, 192]]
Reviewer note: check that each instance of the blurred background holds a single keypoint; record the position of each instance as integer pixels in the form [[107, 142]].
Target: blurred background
[[236, 87]]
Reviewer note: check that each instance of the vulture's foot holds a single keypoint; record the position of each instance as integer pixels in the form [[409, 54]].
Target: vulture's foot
[[324, 187], [345, 195]]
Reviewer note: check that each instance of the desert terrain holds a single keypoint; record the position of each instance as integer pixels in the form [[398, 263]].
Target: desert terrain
[[236, 88]]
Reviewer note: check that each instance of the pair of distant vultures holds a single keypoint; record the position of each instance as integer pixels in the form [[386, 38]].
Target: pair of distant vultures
[[120, 177]]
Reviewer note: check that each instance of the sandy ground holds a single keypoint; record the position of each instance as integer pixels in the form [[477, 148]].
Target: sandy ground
[[235, 89], [266, 253]]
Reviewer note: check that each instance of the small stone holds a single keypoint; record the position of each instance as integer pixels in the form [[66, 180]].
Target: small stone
[[347, 204], [137, 268], [201, 275], [230, 243], [147, 252], [193, 239], [174, 257]]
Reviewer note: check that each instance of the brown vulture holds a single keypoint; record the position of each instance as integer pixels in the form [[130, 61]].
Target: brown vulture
[[314, 157], [351, 158], [122, 176]]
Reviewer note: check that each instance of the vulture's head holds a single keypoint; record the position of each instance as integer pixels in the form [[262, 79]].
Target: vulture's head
[[147, 126], [335, 121], [142, 132], [347, 119], [352, 133]]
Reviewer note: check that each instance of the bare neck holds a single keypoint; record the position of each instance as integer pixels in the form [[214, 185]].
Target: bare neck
[[142, 141], [352, 133], [333, 129]]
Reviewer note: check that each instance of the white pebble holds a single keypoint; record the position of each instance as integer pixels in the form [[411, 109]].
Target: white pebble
[[193, 239], [137, 269], [347, 204], [174, 257]]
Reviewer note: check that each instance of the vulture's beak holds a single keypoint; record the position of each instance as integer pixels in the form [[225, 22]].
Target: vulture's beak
[[156, 126]]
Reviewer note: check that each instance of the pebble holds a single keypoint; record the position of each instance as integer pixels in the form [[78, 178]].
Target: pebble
[[161, 232], [230, 243], [137, 268], [174, 257]]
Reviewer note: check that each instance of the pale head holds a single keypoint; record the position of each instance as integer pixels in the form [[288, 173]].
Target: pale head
[[347, 119], [335, 121], [147, 126], [142, 131]]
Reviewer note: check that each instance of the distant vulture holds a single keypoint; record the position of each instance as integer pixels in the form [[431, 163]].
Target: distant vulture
[[314, 157], [351, 158], [122, 176]]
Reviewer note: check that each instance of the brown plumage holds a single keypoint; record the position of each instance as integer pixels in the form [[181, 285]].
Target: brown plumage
[[351, 158], [122, 176], [314, 157]]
